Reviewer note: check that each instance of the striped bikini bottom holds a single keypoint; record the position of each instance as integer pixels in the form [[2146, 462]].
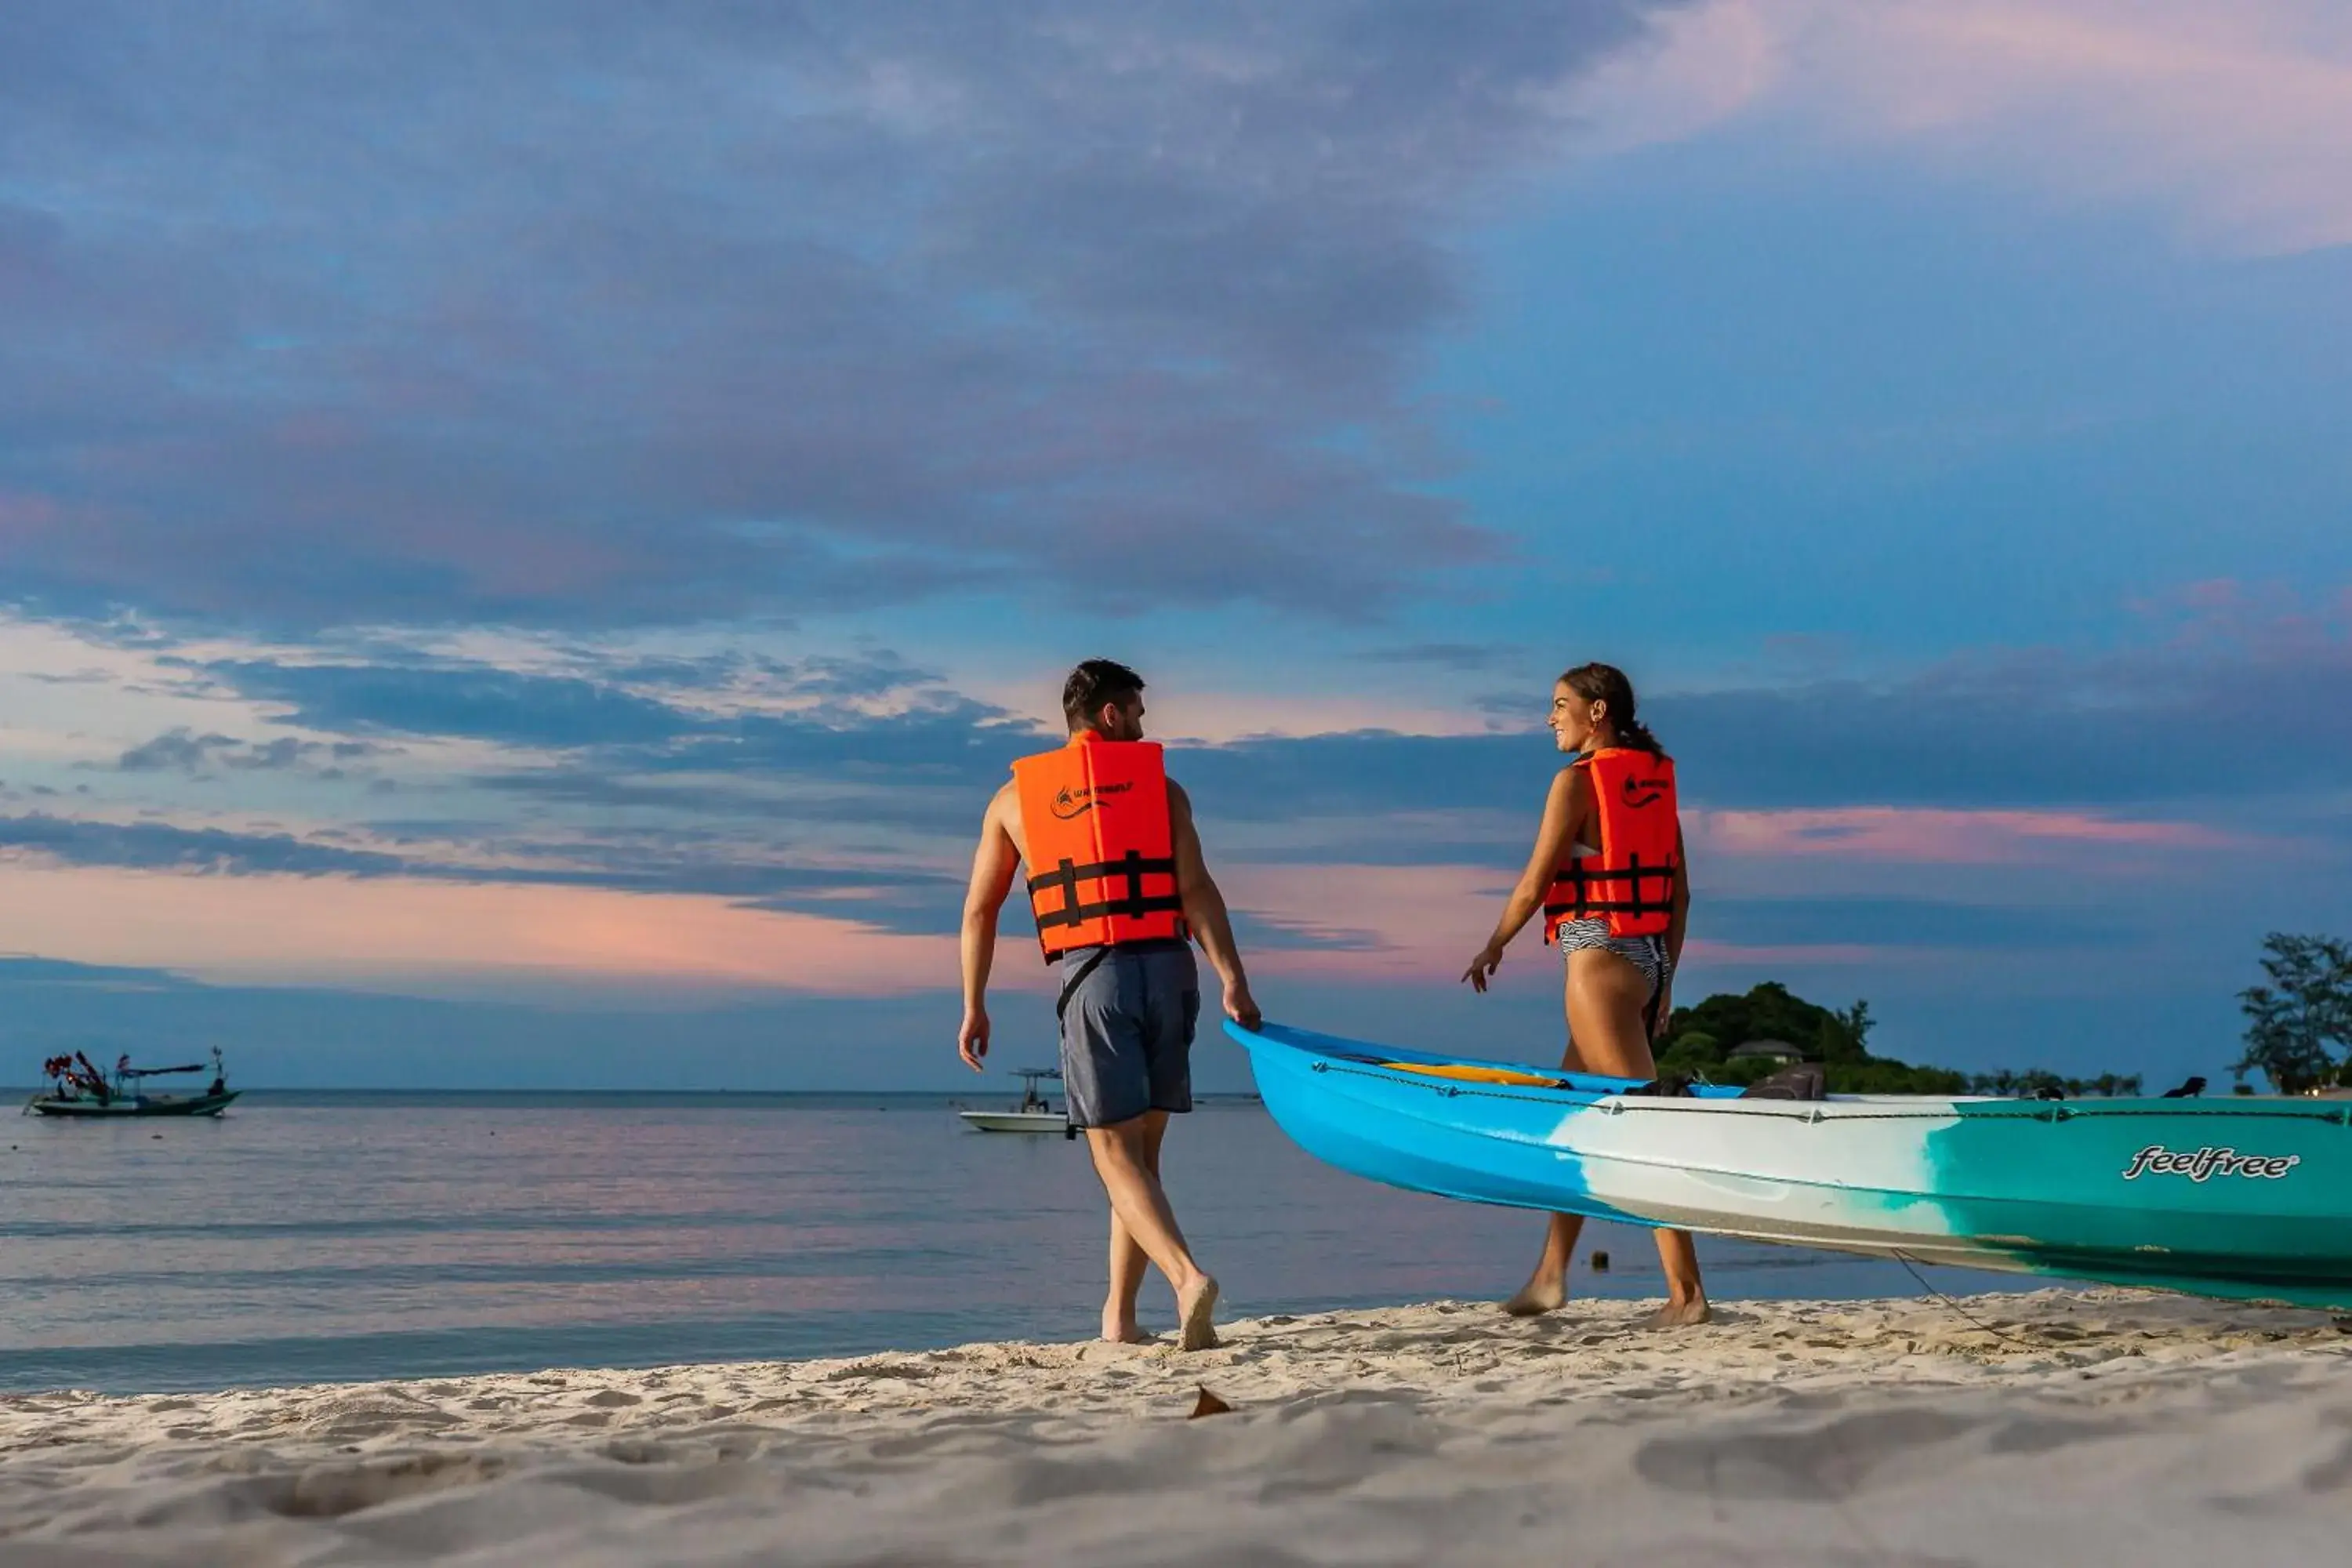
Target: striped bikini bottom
[[1646, 953]]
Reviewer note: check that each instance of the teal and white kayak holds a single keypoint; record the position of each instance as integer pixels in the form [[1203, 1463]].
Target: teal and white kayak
[[2241, 1197]]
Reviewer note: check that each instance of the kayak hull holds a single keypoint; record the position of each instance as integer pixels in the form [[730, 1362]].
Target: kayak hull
[[2241, 1197], [143, 1105]]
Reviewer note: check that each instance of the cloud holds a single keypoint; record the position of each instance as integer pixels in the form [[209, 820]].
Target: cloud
[[19, 970], [1460, 655], [183, 750], [886, 896], [2234, 121], [1957, 838], [400, 933], [472, 702], [1876, 924], [175, 749], [921, 730], [866, 674], [1259, 932], [2090, 751], [157, 845], [2037, 727], [878, 674], [623, 315], [847, 789], [1391, 925], [2032, 729]]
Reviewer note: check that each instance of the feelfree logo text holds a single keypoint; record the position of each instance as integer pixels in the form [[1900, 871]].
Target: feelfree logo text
[[2203, 1165]]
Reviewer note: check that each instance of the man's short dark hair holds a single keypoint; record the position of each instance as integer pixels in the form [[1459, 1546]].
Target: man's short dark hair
[[1094, 683]]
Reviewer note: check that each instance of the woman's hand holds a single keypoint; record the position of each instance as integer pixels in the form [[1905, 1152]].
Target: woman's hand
[[1663, 1018], [1482, 968]]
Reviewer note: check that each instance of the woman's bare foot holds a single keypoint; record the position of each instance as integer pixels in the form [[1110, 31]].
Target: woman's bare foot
[[1197, 1308], [1127, 1332], [1538, 1296], [1680, 1314]]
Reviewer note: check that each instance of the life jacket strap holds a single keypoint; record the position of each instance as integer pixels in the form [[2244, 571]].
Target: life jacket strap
[[1134, 904], [1577, 881]]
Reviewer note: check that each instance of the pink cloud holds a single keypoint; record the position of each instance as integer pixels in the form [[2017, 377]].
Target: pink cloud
[[1419, 924], [1400, 924], [2261, 617], [429, 937], [2234, 119], [1215, 717], [1934, 835]]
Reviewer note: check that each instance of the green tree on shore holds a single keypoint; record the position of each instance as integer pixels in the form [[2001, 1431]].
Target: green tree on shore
[[2299, 1026], [1700, 1040]]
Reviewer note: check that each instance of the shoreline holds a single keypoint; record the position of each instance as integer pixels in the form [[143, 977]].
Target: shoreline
[[1407, 1434]]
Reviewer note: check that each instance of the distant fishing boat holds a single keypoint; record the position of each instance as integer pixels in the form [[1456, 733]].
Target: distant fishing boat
[[1035, 1113], [77, 1088]]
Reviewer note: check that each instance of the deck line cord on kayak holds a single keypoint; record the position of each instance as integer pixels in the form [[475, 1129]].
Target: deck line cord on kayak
[[1974, 1322], [2042, 1110], [2027, 1110]]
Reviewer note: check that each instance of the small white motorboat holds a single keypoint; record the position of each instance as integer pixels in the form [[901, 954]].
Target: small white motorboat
[[1035, 1113]]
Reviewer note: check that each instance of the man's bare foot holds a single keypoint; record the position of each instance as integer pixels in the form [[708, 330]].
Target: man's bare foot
[[1538, 1296], [1680, 1314], [1130, 1332], [1198, 1308]]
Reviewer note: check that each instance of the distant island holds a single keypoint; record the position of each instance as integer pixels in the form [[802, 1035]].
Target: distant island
[[1736, 1039]]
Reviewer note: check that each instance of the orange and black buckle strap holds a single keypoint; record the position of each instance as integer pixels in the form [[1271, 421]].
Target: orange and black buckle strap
[[1576, 877], [1134, 904], [1585, 902]]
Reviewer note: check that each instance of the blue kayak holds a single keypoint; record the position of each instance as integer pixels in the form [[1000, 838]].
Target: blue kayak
[[2244, 1197]]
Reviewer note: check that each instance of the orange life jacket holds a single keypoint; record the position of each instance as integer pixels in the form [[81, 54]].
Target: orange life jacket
[[1100, 846], [1632, 880]]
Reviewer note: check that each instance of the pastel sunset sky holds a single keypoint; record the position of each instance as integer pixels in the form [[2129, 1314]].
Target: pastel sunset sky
[[529, 531]]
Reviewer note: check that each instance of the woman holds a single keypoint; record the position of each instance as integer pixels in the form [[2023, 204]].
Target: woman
[[1608, 872]]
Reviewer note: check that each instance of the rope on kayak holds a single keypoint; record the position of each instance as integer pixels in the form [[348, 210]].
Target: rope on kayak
[[1974, 1322], [2026, 1111], [1593, 1100]]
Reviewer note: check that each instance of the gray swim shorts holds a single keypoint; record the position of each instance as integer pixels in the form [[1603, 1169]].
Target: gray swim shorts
[[1127, 1031]]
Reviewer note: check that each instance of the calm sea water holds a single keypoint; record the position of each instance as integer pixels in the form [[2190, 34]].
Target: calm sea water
[[325, 1236]]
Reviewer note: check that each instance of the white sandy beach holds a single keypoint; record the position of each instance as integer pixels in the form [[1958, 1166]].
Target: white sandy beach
[[2105, 1427]]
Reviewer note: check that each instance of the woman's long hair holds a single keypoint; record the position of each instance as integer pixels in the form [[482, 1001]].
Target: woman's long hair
[[1607, 683]]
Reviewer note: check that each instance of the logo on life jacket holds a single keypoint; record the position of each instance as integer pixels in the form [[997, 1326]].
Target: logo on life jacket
[[1639, 792], [1069, 805]]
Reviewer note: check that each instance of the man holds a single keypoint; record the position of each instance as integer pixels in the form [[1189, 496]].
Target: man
[[1118, 886]]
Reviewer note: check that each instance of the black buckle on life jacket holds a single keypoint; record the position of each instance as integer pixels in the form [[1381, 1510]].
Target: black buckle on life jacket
[[1582, 902], [1133, 904]]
